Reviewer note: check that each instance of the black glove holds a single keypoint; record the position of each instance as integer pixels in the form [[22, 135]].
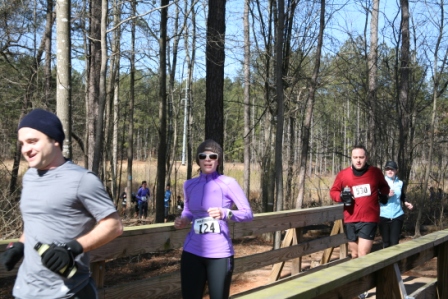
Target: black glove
[[383, 198], [12, 254], [61, 256], [346, 197]]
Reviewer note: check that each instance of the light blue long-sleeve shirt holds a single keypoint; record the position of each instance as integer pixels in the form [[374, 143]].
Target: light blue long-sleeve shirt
[[393, 208]]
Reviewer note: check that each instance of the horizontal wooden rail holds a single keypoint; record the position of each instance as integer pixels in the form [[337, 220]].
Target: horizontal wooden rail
[[346, 280], [161, 237]]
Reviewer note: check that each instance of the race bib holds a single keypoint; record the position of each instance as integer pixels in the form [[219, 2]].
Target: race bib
[[144, 198], [361, 190], [206, 225]]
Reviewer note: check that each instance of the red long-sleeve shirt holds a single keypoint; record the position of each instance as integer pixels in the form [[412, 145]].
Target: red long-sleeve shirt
[[364, 188]]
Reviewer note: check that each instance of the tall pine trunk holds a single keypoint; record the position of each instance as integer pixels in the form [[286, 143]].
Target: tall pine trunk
[[161, 154], [215, 55]]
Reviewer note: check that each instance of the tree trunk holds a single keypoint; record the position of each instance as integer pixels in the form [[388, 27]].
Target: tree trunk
[[63, 80], [215, 55], [290, 174], [439, 88], [265, 160], [247, 133], [403, 100], [372, 75], [94, 81], [130, 152], [86, 47], [48, 35], [161, 154], [98, 148], [190, 58], [306, 127], [278, 169], [172, 115], [112, 115]]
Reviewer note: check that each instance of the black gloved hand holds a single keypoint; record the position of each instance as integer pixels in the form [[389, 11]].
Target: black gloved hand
[[12, 254], [383, 198], [60, 256], [347, 197]]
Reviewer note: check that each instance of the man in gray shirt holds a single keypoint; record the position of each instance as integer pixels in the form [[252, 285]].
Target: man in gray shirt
[[66, 213]]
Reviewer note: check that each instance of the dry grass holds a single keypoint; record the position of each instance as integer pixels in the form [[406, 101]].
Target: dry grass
[[11, 223], [10, 218]]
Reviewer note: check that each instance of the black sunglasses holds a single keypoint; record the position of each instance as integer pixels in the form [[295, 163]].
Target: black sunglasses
[[202, 156]]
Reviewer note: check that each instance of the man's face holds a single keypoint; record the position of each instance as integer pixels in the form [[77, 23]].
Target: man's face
[[38, 149], [359, 158]]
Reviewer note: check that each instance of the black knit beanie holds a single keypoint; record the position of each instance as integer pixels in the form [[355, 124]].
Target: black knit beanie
[[209, 145], [45, 122]]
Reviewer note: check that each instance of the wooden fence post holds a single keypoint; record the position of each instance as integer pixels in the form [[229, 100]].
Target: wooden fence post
[[98, 273], [442, 270]]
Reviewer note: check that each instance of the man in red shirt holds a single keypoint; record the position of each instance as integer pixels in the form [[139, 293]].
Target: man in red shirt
[[364, 185]]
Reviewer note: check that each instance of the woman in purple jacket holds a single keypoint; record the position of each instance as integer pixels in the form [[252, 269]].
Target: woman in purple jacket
[[208, 252]]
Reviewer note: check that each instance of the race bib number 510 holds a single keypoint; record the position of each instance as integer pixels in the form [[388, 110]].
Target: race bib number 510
[[206, 225], [361, 190]]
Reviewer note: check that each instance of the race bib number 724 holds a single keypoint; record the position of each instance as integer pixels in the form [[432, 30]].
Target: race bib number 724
[[361, 190], [206, 225]]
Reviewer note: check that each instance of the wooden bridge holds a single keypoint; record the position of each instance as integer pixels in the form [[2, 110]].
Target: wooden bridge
[[343, 278]]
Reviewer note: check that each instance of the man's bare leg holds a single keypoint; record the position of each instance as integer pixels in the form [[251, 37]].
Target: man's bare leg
[[364, 246], [353, 247], [360, 248]]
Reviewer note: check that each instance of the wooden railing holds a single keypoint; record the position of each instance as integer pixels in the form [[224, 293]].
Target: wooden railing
[[161, 237], [381, 270]]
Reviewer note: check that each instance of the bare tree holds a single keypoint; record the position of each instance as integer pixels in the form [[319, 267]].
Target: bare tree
[[404, 106], [130, 151], [372, 68], [247, 122], [114, 91], [94, 83], [101, 102], [161, 155], [14, 15], [306, 126], [63, 80], [266, 133], [48, 34], [280, 114], [439, 87], [190, 54], [215, 55]]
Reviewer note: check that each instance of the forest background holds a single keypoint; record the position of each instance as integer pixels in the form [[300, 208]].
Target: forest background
[[287, 87]]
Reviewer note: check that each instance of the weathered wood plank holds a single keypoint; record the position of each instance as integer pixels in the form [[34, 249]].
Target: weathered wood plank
[[296, 264], [442, 270], [98, 272], [160, 237], [329, 281], [283, 220], [427, 291], [145, 288], [277, 268], [171, 282], [260, 260], [387, 285], [337, 228]]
